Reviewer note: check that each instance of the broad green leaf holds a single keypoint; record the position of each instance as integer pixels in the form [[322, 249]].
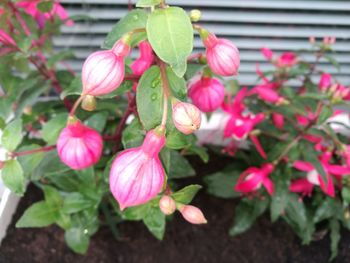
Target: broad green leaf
[[53, 127], [136, 212], [221, 184], [177, 140], [327, 209], [345, 193], [185, 195], [177, 84], [39, 214], [325, 114], [170, 34], [12, 176], [200, 151], [149, 98], [5, 107], [77, 240], [280, 197], [310, 155], [98, 121], [296, 212], [246, 213], [75, 88], [62, 55], [64, 221], [135, 19], [147, 3], [12, 135], [155, 222], [133, 134], [52, 196], [176, 166], [335, 237], [30, 161], [50, 165], [75, 202]]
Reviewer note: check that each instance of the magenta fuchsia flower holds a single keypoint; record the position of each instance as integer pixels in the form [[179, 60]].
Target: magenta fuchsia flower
[[103, 71], [325, 82], [302, 186], [287, 59], [267, 53], [192, 214], [222, 55], [315, 178], [30, 7], [278, 120], [167, 205], [137, 174], [206, 93], [6, 39], [253, 178], [145, 60], [267, 94], [186, 117], [79, 146]]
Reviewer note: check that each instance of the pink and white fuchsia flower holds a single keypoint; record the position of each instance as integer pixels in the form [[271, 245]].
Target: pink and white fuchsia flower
[[145, 60], [137, 174], [79, 146], [253, 178], [206, 93], [186, 117], [222, 55], [103, 71]]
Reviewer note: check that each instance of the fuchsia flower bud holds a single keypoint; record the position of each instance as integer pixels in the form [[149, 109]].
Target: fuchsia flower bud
[[6, 39], [167, 205], [325, 82], [192, 214], [103, 71], [278, 120], [186, 117], [206, 93], [268, 54], [137, 175], [145, 60], [222, 55], [253, 178], [79, 146], [287, 59], [269, 95]]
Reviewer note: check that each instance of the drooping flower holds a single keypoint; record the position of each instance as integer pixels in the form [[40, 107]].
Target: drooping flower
[[267, 94], [253, 178], [278, 120], [137, 174], [103, 71], [79, 146], [206, 93], [287, 59], [325, 82], [167, 205], [192, 214], [186, 117], [268, 54], [145, 60], [301, 185], [222, 55], [6, 39]]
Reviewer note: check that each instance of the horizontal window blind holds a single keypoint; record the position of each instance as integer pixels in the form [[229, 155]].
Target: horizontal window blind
[[280, 25]]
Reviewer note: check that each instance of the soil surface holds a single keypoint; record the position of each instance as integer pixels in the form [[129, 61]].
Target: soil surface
[[263, 243]]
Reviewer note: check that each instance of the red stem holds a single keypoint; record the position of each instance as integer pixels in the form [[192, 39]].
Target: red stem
[[43, 149]]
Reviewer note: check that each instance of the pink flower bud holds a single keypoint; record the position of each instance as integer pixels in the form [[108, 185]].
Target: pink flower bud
[[6, 39], [268, 54], [79, 146], [167, 205], [222, 55], [103, 71], [137, 175], [206, 93], [287, 59], [267, 94], [192, 214], [325, 82], [186, 117], [278, 120], [145, 60]]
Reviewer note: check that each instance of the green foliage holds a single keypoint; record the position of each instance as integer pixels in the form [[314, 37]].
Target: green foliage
[[221, 184], [12, 176], [12, 135]]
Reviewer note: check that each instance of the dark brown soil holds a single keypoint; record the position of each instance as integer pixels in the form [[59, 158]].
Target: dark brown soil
[[263, 243]]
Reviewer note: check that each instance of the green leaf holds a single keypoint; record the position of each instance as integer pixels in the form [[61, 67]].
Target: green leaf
[[221, 184], [133, 20], [12, 176], [345, 193], [155, 222], [39, 214], [176, 166], [53, 127], [327, 209], [52, 196], [62, 55], [30, 161], [75, 88], [149, 98], [296, 212], [185, 195], [98, 121], [335, 237], [45, 6], [177, 140], [325, 114], [133, 134], [310, 155], [136, 212], [333, 61], [246, 213], [170, 34], [50, 165], [280, 197], [200, 151], [75, 202], [177, 84], [77, 240], [12, 135], [147, 3]]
